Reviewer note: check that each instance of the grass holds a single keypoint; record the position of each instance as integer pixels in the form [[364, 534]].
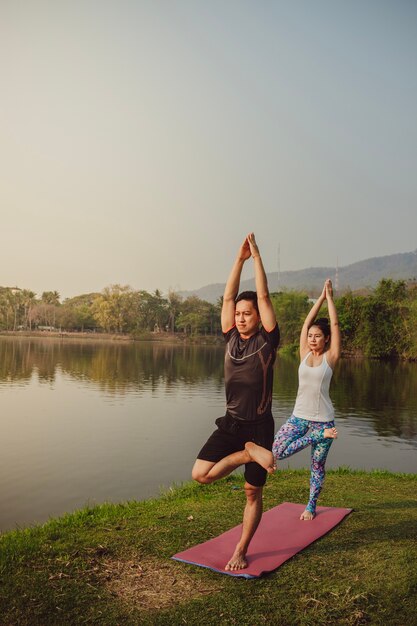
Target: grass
[[111, 564]]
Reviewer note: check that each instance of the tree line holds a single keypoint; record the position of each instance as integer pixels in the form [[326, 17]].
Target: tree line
[[381, 324], [117, 309]]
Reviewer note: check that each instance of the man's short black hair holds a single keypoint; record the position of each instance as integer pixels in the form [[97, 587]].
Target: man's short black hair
[[249, 295]]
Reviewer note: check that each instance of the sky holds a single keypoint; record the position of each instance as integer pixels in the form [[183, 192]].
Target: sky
[[140, 141]]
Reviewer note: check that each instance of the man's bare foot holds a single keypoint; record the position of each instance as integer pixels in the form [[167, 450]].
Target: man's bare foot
[[330, 433], [307, 516], [261, 455], [237, 562]]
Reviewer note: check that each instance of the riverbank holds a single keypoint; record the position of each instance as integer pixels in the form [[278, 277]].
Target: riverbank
[[161, 337], [111, 564]]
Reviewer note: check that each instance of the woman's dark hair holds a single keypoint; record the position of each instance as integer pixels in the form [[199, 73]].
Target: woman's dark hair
[[323, 324], [249, 295]]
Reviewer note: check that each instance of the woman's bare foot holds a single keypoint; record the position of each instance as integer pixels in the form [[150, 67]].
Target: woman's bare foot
[[307, 516], [261, 455], [330, 433], [237, 562]]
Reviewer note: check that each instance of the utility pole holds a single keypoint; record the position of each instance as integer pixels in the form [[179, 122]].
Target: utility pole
[[336, 279], [279, 267]]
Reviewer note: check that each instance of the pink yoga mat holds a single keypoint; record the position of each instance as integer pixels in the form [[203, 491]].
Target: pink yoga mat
[[280, 535]]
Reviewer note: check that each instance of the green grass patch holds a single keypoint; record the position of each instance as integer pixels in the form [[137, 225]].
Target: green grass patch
[[111, 564]]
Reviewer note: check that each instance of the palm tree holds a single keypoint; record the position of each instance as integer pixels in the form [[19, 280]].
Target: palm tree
[[50, 297], [29, 301]]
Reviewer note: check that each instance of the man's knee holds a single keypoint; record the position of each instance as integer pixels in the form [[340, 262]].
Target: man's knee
[[200, 471], [200, 478], [253, 494]]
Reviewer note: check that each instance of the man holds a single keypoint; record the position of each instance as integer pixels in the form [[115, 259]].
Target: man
[[250, 356]]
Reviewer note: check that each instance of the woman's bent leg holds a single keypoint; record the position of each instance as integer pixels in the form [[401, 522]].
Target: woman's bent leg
[[293, 429], [292, 438]]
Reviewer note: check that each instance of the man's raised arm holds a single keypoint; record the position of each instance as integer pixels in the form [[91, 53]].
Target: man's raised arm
[[266, 310], [232, 287]]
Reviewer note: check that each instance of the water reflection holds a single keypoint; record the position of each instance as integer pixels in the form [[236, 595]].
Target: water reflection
[[384, 394], [115, 367], [92, 422]]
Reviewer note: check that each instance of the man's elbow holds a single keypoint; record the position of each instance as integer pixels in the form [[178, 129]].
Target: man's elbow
[[263, 297]]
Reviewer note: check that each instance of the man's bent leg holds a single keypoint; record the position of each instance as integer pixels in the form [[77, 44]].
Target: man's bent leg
[[261, 456], [222, 453], [200, 470], [251, 518], [206, 472]]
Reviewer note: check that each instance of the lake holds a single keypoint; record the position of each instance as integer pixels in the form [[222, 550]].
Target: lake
[[89, 422]]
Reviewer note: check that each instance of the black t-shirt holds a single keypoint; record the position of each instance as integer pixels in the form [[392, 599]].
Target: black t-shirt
[[248, 373]]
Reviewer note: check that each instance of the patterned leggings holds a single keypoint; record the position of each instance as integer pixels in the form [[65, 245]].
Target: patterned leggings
[[292, 438]]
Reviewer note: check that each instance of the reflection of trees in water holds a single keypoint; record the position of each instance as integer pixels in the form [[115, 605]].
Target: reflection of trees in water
[[19, 359], [285, 379], [118, 367], [384, 392], [114, 367]]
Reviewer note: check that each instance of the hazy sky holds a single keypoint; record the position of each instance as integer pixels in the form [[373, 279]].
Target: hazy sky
[[141, 140]]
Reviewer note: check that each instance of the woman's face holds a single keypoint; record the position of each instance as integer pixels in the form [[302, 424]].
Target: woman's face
[[316, 339]]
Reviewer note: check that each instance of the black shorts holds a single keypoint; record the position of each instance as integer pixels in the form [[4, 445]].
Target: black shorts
[[231, 436]]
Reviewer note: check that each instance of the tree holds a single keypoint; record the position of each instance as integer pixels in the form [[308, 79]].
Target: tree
[[49, 304], [291, 308], [50, 297], [29, 302], [16, 301], [384, 325], [112, 308], [351, 312], [14, 304], [174, 306], [43, 314], [76, 313], [159, 308], [377, 325], [198, 316], [151, 310]]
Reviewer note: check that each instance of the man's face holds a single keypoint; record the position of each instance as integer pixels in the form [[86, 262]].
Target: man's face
[[247, 318]]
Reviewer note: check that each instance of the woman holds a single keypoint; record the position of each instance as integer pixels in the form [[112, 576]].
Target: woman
[[313, 409]]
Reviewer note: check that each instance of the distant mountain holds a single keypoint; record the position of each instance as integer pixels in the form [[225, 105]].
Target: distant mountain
[[360, 275]]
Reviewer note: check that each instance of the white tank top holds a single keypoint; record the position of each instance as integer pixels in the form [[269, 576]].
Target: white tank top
[[313, 400]]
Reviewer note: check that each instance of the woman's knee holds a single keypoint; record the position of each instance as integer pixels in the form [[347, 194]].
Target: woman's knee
[[278, 447]]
